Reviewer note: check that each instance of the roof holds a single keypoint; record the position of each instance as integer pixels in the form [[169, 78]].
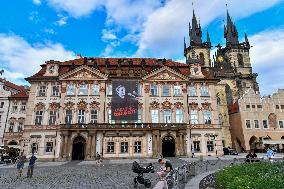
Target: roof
[[13, 86], [22, 95], [112, 64]]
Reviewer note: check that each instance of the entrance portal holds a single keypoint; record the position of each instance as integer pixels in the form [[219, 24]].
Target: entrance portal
[[168, 146], [78, 151]]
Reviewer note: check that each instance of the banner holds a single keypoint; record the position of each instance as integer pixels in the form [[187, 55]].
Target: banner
[[124, 103]]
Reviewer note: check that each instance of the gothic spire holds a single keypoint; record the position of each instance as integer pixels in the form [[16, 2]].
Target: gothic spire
[[195, 32], [231, 32], [184, 45], [208, 39]]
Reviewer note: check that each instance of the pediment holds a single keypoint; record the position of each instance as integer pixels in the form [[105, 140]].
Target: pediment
[[83, 73], [165, 74]]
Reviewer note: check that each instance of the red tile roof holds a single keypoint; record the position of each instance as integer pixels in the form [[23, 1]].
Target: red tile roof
[[22, 94], [150, 64], [13, 86]]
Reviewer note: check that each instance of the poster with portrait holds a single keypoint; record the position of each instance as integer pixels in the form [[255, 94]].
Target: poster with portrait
[[124, 103]]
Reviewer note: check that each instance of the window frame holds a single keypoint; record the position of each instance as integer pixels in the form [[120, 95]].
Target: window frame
[[194, 121], [71, 90], [179, 89], [154, 90], [202, 91], [48, 147], [55, 90], [246, 121], [167, 88], [52, 117], [210, 143], [68, 116], [92, 119], [81, 116], [166, 116], [281, 127], [181, 115], [196, 144], [42, 91], [124, 147], [137, 147], [83, 90], [97, 87], [155, 118], [192, 91], [254, 123], [39, 117], [110, 147]]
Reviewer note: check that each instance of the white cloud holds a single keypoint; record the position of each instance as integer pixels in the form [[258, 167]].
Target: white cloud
[[21, 59], [49, 31], [108, 35], [62, 20], [37, 2], [34, 17], [267, 59], [76, 8], [164, 29]]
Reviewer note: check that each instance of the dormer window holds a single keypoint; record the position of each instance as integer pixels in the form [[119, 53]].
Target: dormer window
[[95, 89], [70, 90], [83, 89], [55, 91]]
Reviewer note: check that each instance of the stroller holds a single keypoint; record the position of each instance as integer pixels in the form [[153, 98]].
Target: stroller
[[136, 168]]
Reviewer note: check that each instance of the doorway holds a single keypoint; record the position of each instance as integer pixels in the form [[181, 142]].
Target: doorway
[[168, 146], [78, 150]]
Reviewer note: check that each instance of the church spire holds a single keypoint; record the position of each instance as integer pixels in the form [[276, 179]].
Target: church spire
[[208, 39], [230, 32], [195, 32]]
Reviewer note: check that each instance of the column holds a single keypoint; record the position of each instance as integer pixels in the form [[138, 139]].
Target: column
[[177, 144], [69, 148], [88, 146], [61, 153], [181, 144], [93, 147], [65, 147], [158, 145]]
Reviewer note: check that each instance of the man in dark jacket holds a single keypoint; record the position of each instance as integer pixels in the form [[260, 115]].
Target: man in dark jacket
[[31, 166]]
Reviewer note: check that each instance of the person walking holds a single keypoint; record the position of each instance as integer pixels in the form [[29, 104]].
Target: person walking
[[31, 166], [20, 163]]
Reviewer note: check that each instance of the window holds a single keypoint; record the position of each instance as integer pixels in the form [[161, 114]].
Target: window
[[177, 90], [55, 90], [2, 105], [281, 124], [166, 90], [49, 147], [139, 89], [264, 124], [167, 116], [109, 89], [70, 90], [68, 117], [81, 116], [137, 147], [256, 124], [139, 116], [193, 117], [210, 146], [253, 106], [23, 106], [154, 90], [94, 116], [282, 107], [109, 117], [38, 117], [155, 116], [20, 127], [34, 147], [14, 107], [124, 147], [259, 106], [196, 146], [52, 117], [218, 100], [240, 60], [95, 89], [110, 147], [192, 91], [207, 117], [11, 127], [83, 89], [179, 116], [247, 106], [248, 124], [277, 106], [204, 91], [42, 91]]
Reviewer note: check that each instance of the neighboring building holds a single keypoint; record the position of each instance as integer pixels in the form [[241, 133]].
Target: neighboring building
[[6, 90], [69, 110], [16, 119], [258, 122]]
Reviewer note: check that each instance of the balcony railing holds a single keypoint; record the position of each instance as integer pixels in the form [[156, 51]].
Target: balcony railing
[[13, 134], [137, 126]]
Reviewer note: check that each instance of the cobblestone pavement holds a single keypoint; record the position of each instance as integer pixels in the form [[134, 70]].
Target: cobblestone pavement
[[115, 174]]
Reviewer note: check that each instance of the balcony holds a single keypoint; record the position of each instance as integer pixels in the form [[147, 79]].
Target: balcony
[[125, 126], [13, 135]]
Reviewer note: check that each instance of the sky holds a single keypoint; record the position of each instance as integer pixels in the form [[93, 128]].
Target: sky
[[35, 31]]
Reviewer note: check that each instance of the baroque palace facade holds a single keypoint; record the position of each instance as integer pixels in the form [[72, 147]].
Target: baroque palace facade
[[183, 108]]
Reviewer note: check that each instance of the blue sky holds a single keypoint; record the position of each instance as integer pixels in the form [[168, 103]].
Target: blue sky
[[34, 31]]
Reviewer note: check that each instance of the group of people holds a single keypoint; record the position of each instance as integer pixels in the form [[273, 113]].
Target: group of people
[[21, 159]]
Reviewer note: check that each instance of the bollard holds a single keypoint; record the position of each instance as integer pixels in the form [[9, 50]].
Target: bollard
[[184, 174], [201, 158]]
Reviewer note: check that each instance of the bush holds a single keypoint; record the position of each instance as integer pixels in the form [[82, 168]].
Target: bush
[[253, 176]]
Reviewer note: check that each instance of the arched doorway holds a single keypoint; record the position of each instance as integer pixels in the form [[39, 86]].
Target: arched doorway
[[253, 141], [168, 146], [78, 150]]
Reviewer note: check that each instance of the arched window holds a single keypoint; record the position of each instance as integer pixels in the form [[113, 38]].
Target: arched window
[[240, 60], [202, 59], [34, 147]]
